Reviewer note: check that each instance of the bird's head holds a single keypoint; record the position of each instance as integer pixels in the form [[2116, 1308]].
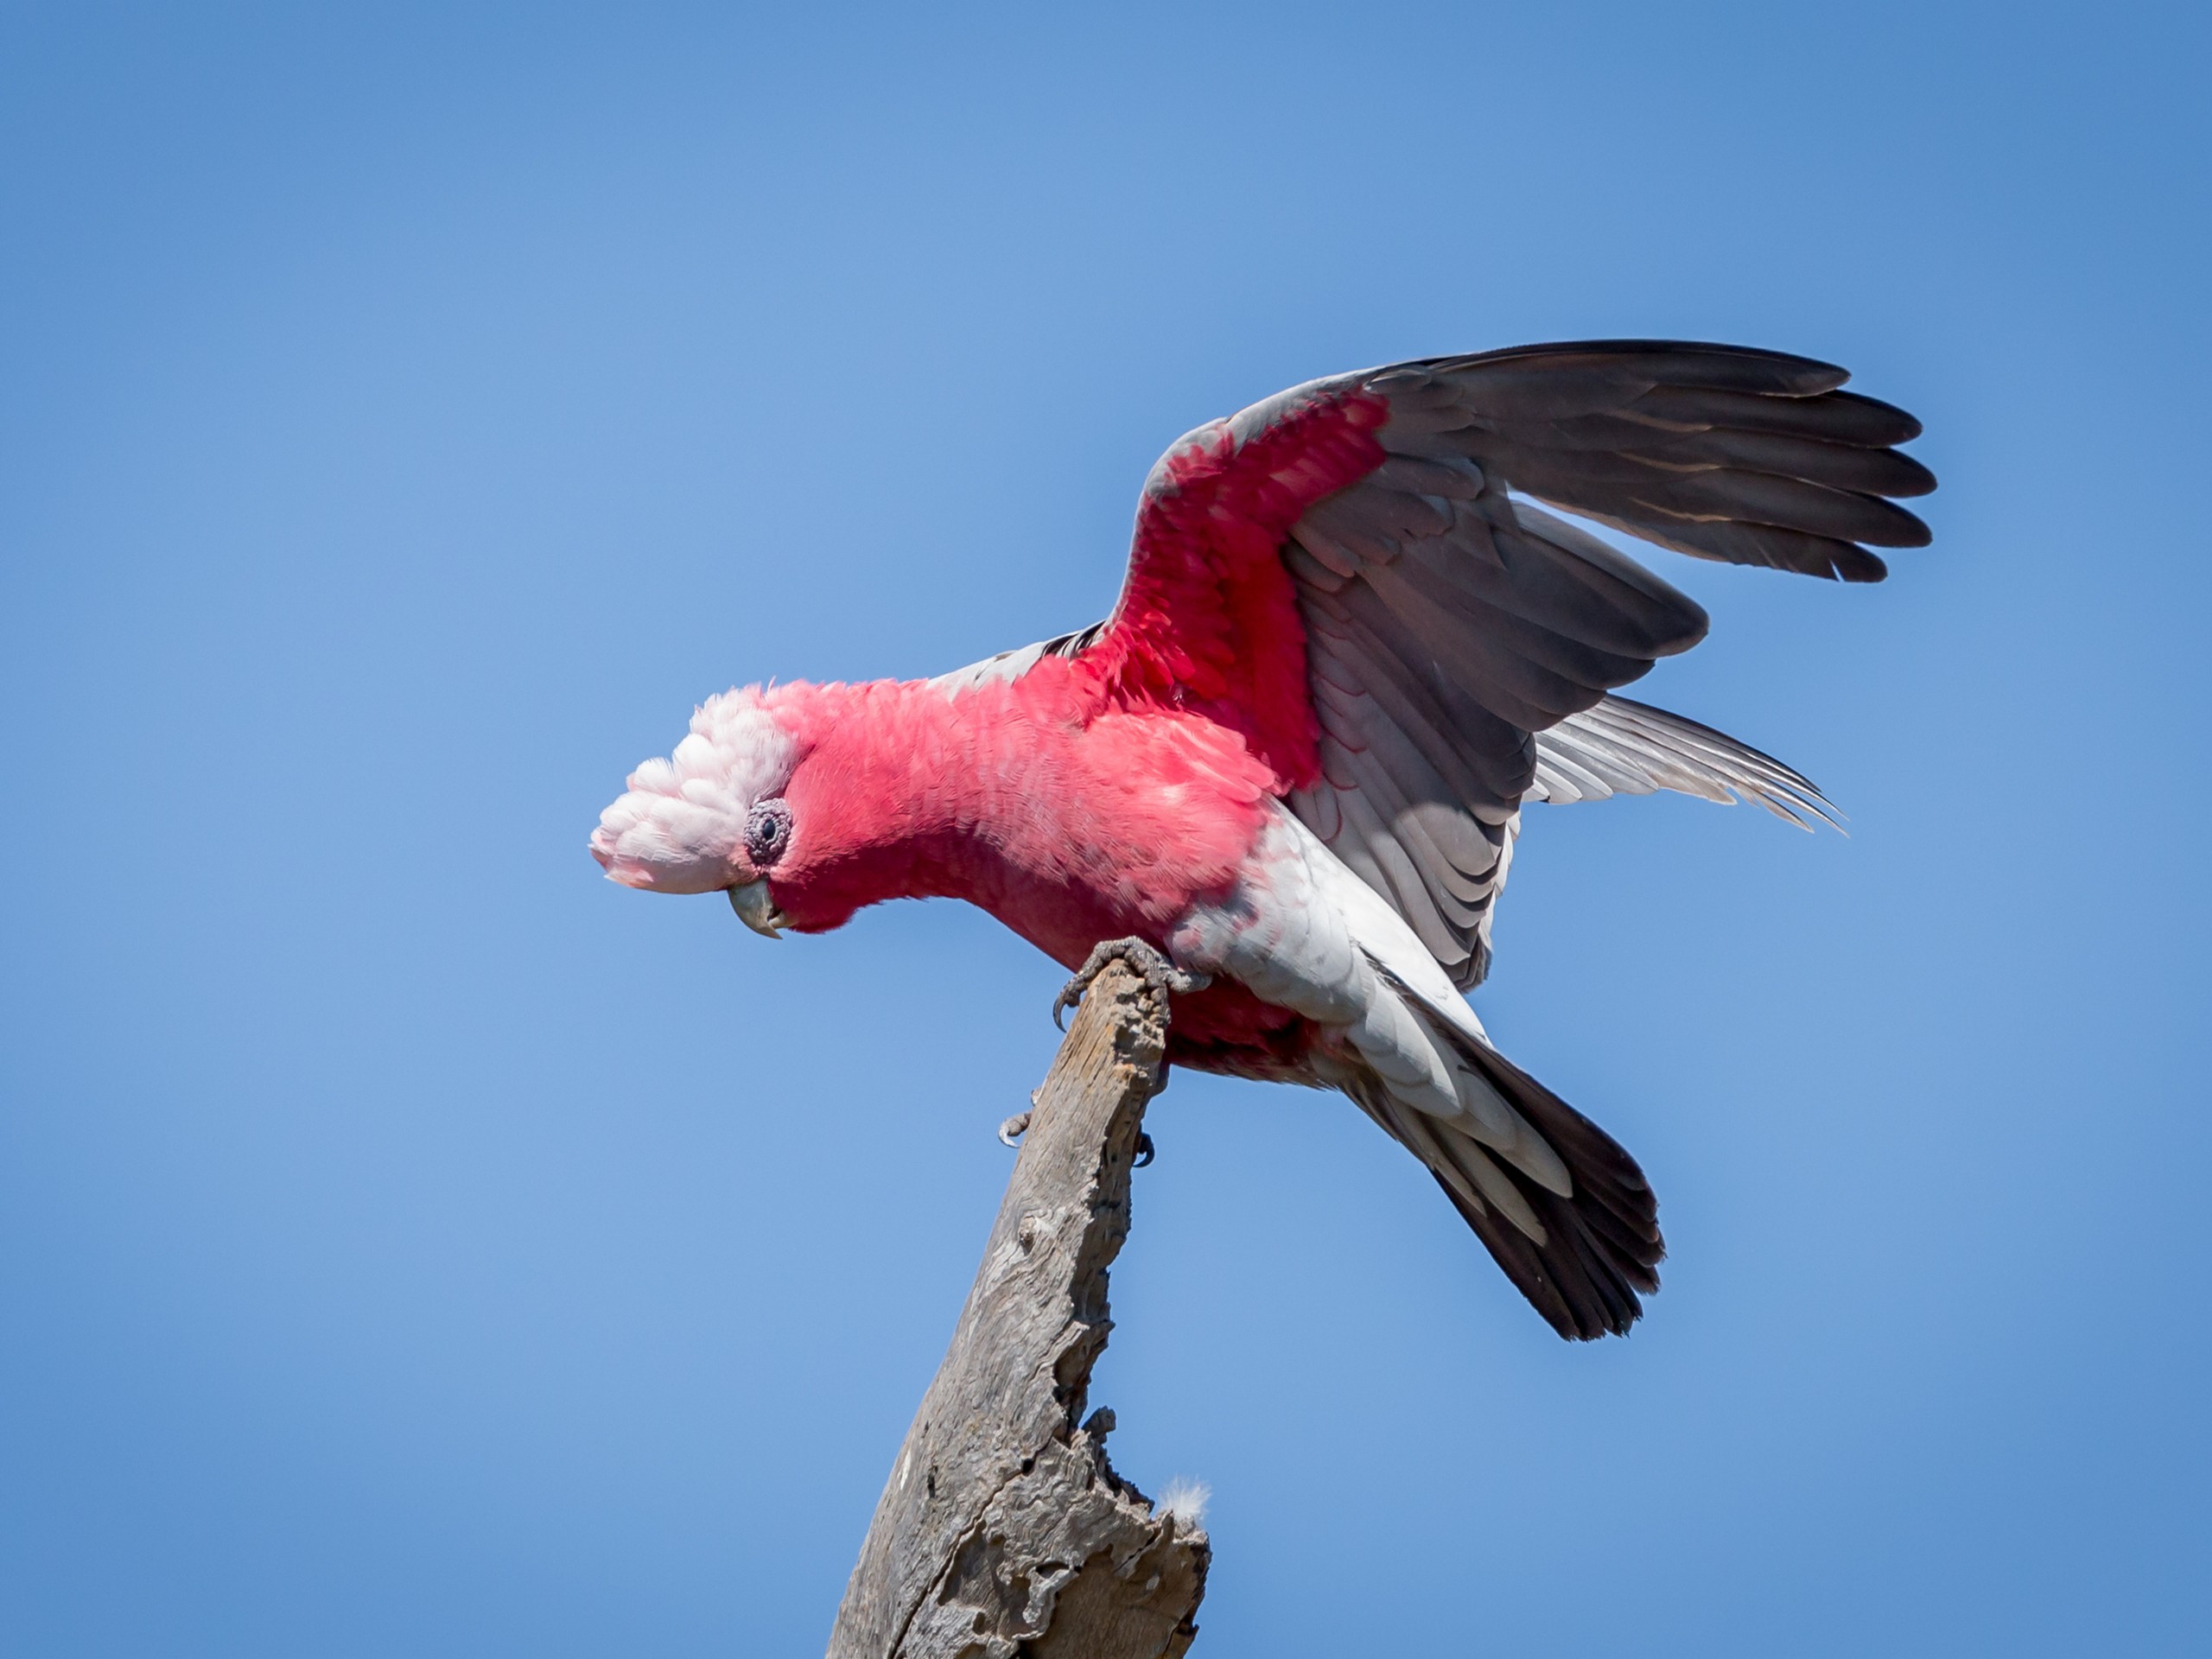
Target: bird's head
[[710, 817]]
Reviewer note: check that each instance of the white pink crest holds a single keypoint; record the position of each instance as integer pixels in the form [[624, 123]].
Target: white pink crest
[[681, 827]]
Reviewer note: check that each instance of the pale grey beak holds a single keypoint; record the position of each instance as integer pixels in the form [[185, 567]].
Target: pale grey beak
[[757, 910]]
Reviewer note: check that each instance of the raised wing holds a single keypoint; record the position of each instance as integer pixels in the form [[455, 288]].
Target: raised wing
[[1343, 573]]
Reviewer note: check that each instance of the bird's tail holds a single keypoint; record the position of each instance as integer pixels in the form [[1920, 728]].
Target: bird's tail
[[1583, 1257]]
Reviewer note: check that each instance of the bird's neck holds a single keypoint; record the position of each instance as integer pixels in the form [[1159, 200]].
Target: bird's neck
[[910, 791]]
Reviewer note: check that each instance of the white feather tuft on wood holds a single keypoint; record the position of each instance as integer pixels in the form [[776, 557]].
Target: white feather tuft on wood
[[1186, 1500]]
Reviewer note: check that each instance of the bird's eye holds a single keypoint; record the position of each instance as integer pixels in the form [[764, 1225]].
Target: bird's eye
[[767, 832]]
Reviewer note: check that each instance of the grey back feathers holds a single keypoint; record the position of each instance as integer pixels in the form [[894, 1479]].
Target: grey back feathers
[[1013, 665]]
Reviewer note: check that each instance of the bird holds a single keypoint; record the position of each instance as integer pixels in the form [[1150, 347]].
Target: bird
[[1284, 778]]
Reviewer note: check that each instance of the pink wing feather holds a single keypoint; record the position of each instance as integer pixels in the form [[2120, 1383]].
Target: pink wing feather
[[1209, 618]]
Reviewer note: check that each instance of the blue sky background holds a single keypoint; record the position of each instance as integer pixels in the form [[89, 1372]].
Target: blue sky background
[[411, 1244]]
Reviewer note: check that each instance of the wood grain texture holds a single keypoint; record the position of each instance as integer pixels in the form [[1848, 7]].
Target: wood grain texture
[[1003, 1529]]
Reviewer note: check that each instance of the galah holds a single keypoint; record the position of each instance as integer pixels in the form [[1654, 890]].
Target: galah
[[1288, 770]]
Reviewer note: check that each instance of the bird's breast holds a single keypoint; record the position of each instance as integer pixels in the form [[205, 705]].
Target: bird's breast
[[1070, 823]]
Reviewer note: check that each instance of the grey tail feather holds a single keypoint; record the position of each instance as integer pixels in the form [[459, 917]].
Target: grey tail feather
[[1602, 1247]]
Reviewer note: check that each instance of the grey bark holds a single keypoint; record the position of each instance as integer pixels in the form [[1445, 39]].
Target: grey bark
[[1003, 1529]]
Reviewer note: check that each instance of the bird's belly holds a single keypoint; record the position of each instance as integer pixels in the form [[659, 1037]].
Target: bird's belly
[[1226, 1028]]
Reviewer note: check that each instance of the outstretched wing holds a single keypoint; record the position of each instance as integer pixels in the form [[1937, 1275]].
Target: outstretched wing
[[1343, 573]]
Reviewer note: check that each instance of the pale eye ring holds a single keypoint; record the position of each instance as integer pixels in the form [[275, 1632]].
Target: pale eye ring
[[767, 832]]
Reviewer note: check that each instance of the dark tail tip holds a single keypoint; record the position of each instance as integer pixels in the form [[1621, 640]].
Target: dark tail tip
[[1602, 1247]]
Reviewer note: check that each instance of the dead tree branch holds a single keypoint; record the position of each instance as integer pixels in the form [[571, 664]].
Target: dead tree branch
[[1003, 1529]]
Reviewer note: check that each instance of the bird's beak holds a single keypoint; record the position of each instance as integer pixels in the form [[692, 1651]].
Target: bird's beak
[[757, 910]]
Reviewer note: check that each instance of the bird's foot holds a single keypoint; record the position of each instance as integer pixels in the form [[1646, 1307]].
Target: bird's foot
[[1163, 976], [1014, 1127]]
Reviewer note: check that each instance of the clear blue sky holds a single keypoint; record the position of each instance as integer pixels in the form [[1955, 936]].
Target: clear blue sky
[[411, 1244]]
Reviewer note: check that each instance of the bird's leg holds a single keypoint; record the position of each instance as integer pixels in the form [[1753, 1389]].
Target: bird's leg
[[1162, 975]]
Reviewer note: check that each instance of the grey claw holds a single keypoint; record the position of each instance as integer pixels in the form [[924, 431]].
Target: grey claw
[[1164, 977], [1013, 1129]]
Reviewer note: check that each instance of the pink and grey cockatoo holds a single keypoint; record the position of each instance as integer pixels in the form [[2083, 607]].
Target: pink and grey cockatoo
[[1288, 770]]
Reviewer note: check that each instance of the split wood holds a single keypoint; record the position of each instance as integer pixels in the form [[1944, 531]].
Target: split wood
[[1003, 1530]]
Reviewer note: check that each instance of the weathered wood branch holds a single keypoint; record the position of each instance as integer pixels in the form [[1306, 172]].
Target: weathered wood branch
[[1003, 1529]]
